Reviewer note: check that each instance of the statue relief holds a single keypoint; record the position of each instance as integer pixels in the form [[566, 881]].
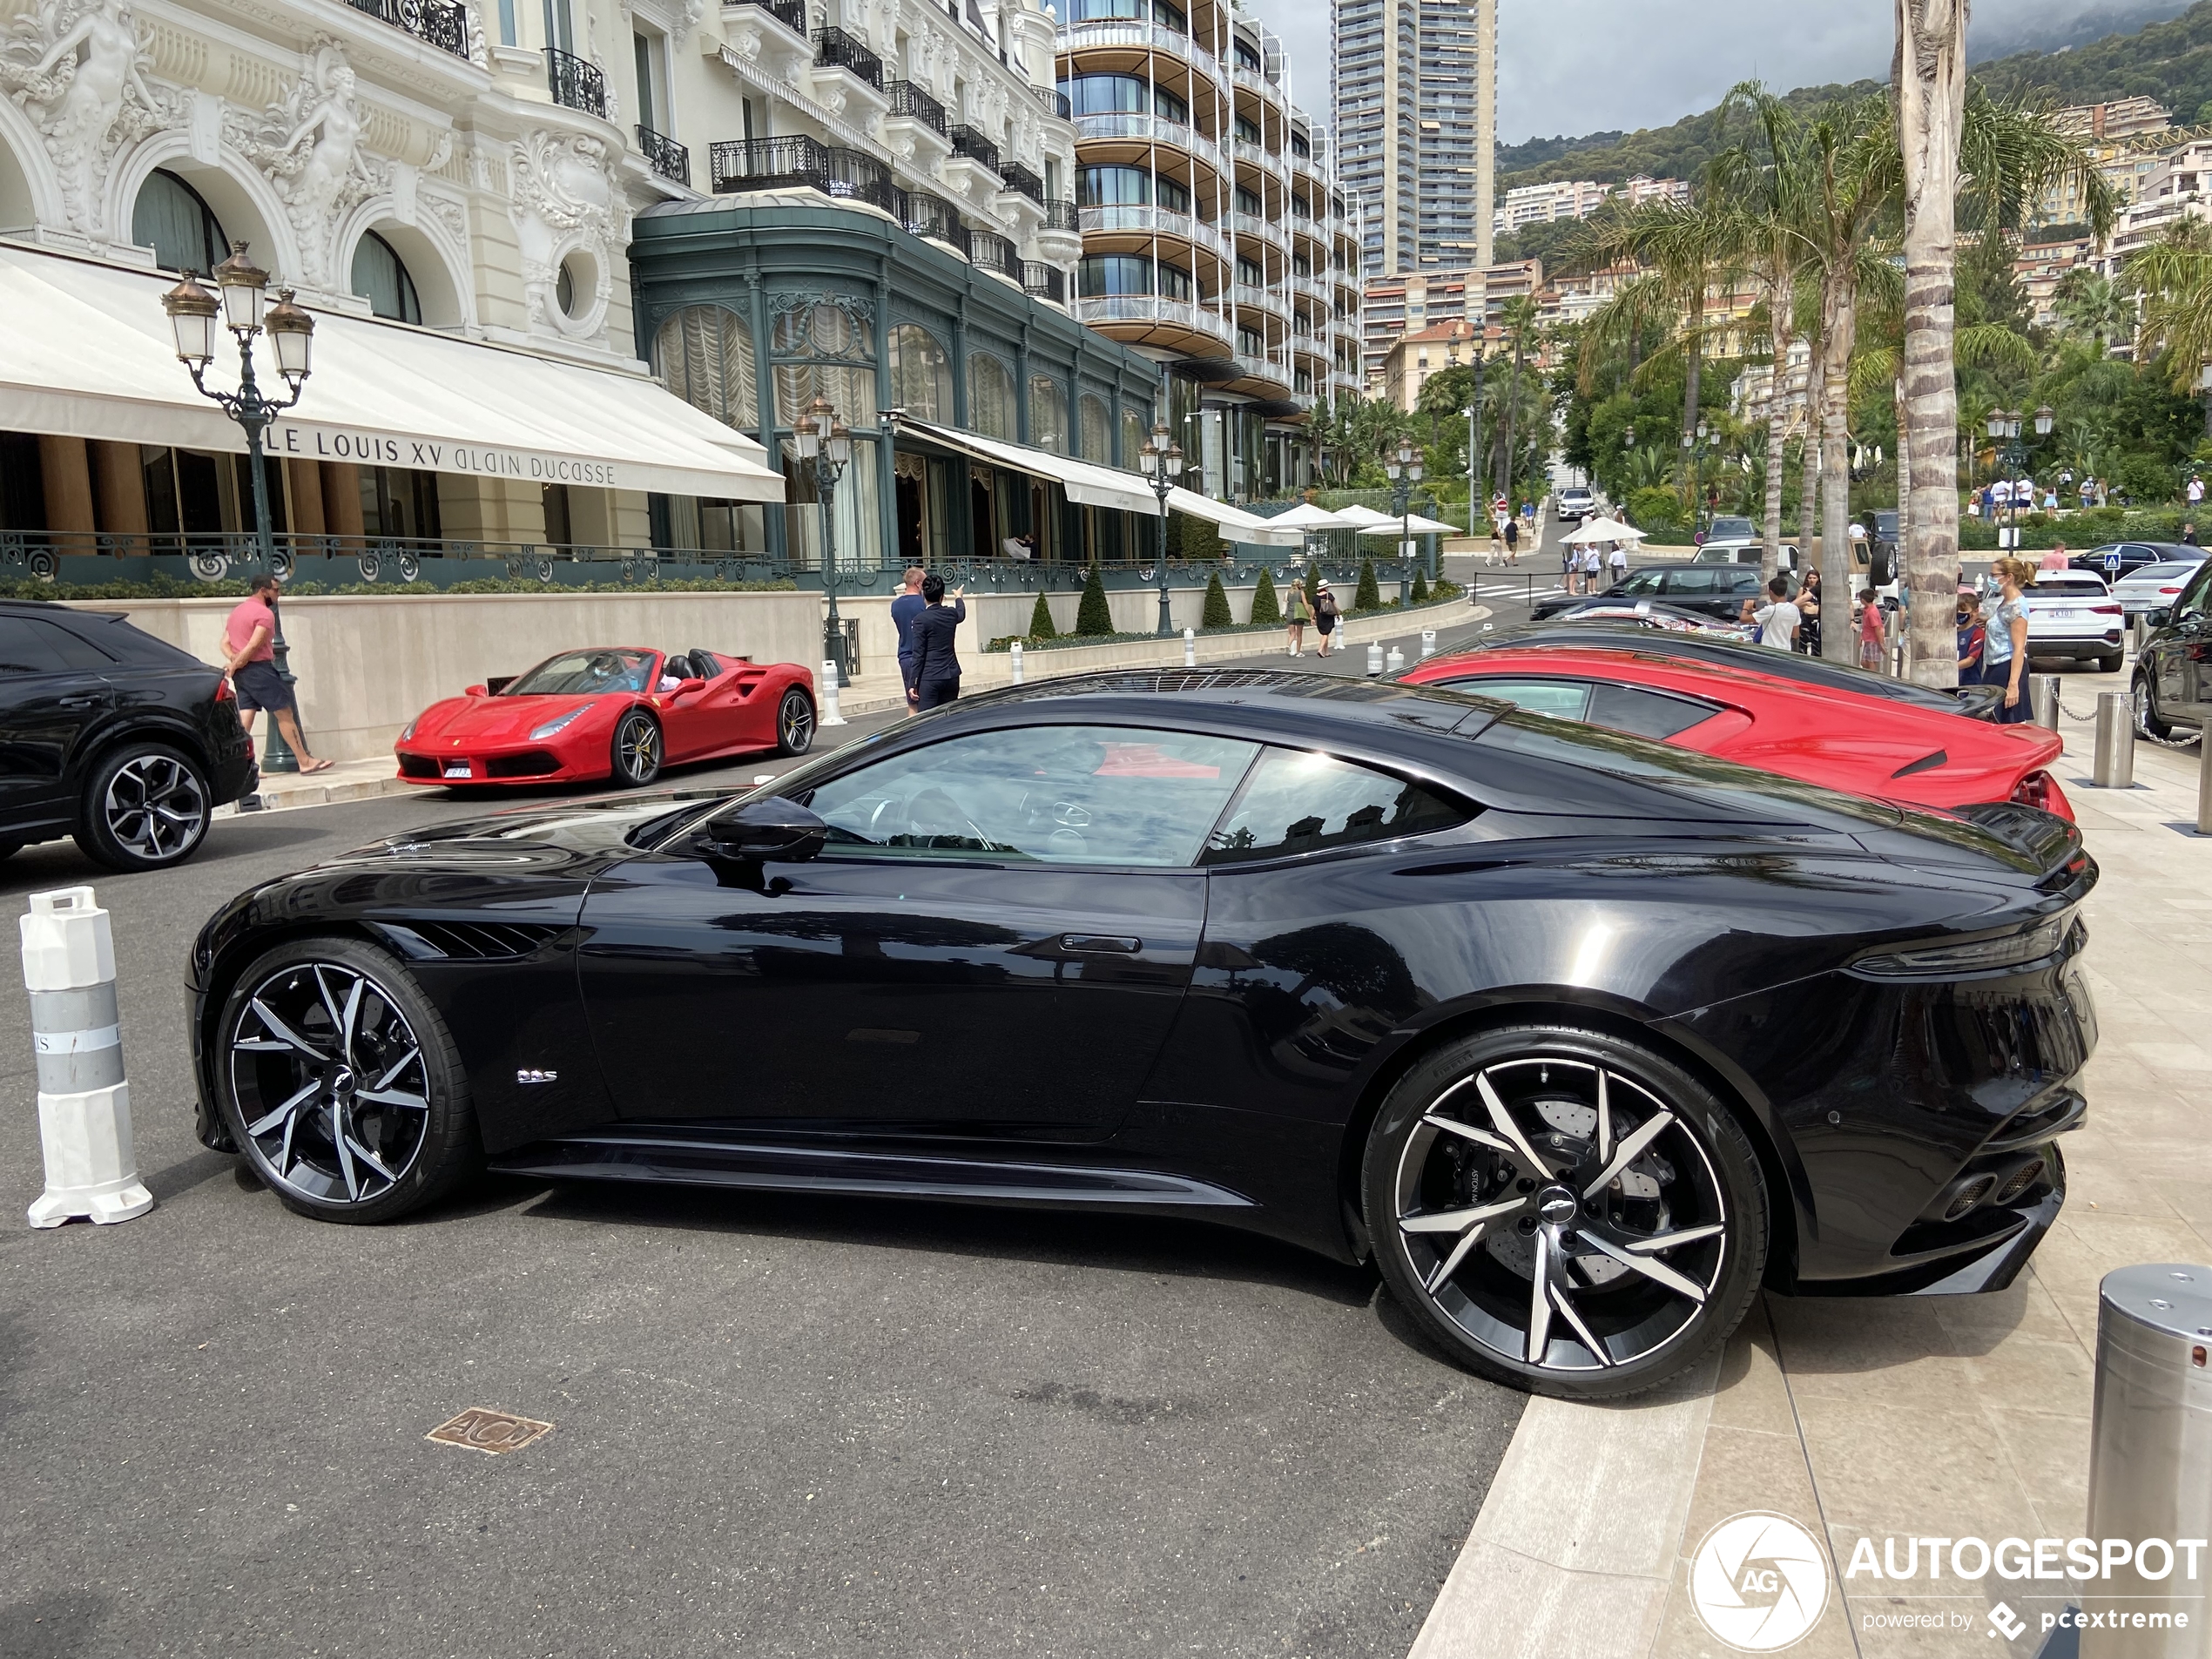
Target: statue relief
[[77, 67], [564, 197], [310, 146]]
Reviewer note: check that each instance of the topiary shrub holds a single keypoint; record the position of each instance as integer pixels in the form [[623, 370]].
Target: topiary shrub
[[1655, 509], [1094, 616], [1041, 620], [1215, 614], [1266, 608], [1420, 587], [1366, 597]]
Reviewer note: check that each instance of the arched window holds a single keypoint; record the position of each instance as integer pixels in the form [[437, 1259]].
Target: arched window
[[1048, 414], [171, 218], [381, 277], [990, 396], [823, 348], [705, 354], [1132, 436], [1090, 423], [921, 375]]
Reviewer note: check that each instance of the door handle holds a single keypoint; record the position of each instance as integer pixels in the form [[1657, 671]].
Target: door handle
[[1101, 944], [89, 699]]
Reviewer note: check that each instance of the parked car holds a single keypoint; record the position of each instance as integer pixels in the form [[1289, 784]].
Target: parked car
[[1576, 503], [1751, 552], [2072, 614], [1600, 611], [1310, 951], [113, 737], [1843, 738], [2172, 688], [2148, 586], [1713, 592], [1876, 557], [1728, 527], [2116, 561], [618, 711]]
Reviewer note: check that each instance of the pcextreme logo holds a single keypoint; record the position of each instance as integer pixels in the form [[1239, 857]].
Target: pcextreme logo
[[1759, 1581]]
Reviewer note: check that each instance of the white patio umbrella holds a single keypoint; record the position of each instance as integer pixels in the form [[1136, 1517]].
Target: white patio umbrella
[[1412, 524], [1357, 517], [1306, 516], [1607, 530]]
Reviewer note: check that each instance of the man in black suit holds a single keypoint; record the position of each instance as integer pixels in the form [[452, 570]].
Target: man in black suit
[[936, 667]]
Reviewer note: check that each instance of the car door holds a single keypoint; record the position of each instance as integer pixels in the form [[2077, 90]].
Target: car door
[[1701, 589], [2181, 654], [993, 942], [53, 689], [722, 715]]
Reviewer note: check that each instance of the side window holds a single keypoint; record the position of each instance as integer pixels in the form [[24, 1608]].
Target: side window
[[1695, 583], [1646, 714], [1299, 802], [31, 646], [2198, 600], [1054, 794], [1745, 582], [1562, 699], [1643, 582]]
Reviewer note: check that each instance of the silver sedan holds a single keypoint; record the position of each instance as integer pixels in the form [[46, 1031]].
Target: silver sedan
[[2154, 586]]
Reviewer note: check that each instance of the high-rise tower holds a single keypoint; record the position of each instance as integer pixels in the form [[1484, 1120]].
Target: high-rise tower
[[1413, 97]]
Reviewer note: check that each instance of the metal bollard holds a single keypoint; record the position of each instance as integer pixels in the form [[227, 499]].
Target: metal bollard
[[2114, 765], [828, 688], [1190, 648], [83, 1102], [1374, 662], [1395, 662], [1013, 655], [1428, 643], [2150, 1448], [2043, 700]]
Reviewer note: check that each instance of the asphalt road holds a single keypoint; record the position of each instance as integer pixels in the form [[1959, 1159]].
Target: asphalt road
[[783, 1425]]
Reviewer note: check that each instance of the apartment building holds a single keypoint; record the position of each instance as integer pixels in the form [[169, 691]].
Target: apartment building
[[1413, 357], [2126, 118], [1393, 306], [1527, 205]]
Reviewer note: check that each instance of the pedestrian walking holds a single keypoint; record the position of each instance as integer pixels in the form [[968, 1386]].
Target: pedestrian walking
[[1616, 561], [2088, 492], [1970, 631], [1294, 615], [2004, 647], [249, 641], [2189, 534], [1512, 541], [904, 609], [1869, 629], [2195, 491], [1808, 604], [1325, 616], [1777, 620], [936, 663], [2055, 558]]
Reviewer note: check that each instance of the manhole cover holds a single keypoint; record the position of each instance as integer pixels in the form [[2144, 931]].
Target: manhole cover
[[489, 1431]]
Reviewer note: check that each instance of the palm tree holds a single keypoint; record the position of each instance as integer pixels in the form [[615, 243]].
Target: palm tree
[[2173, 276], [1518, 317], [2091, 305]]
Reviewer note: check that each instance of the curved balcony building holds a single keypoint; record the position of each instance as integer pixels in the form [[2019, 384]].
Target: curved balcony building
[[1216, 241]]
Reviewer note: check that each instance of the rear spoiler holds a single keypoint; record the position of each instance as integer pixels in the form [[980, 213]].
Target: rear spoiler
[[2053, 843]]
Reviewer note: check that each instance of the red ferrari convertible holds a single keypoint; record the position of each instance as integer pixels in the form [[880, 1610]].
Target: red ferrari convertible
[[1867, 746], [616, 711]]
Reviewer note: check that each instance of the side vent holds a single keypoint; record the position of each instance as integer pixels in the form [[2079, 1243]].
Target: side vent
[[468, 941]]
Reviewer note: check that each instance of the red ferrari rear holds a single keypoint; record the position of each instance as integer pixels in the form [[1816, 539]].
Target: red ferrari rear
[[1866, 745]]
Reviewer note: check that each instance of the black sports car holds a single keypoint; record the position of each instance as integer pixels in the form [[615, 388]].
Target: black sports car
[[1717, 590], [1580, 1037]]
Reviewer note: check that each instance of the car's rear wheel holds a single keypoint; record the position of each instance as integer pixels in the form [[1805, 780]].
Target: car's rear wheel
[[2146, 705], [146, 807], [1565, 1211], [636, 749], [339, 1082], [795, 723], [2113, 663]]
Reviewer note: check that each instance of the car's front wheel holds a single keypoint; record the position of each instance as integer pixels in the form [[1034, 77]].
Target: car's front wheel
[[795, 723], [339, 1082], [637, 750], [2145, 706], [146, 807], [1564, 1211]]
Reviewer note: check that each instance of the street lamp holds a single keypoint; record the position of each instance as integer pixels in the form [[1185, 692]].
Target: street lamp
[[192, 315], [824, 440], [1161, 461], [2005, 426], [1404, 470]]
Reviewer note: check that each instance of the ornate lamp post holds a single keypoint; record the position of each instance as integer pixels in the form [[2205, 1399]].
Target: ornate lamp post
[[1161, 461], [192, 315], [2004, 426], [824, 440], [1404, 470]]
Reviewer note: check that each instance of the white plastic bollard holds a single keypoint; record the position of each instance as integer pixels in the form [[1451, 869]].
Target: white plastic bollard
[[1374, 662], [83, 1102], [828, 688], [1395, 662], [1428, 643], [1190, 648], [1014, 656]]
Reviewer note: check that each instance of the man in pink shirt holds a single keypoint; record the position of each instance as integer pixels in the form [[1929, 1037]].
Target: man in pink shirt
[[249, 642], [2054, 558]]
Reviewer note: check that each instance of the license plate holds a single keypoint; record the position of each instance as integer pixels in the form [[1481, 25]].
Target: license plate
[[456, 769], [2071, 616]]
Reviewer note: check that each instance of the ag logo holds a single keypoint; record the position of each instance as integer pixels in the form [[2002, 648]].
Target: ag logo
[[1759, 1581]]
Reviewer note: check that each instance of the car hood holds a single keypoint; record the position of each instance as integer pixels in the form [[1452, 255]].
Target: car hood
[[536, 834], [507, 720]]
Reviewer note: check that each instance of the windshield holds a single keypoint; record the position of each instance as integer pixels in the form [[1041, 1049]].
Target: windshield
[[584, 672], [1731, 529]]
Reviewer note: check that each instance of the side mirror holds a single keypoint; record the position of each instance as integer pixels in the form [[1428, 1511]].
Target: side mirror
[[688, 687], [475, 691], [761, 832], [2161, 617]]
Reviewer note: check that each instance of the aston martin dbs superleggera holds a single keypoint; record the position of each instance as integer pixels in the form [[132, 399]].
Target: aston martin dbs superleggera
[[1582, 1037], [618, 711]]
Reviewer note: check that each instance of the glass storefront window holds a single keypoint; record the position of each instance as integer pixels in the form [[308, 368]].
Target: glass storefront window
[[990, 396], [704, 356], [1048, 414], [858, 527], [1091, 428], [836, 352], [921, 375]]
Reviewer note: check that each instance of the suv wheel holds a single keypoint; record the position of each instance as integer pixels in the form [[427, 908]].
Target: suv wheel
[[2146, 705], [146, 807]]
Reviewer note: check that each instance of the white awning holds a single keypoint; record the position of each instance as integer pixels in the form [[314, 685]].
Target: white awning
[[86, 350]]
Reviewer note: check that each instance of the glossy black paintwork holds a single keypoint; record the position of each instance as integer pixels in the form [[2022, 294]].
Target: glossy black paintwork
[[939, 1012], [2175, 666]]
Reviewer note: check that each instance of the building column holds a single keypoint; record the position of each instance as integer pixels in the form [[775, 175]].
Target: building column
[[307, 497], [120, 487], [68, 473], [341, 498]]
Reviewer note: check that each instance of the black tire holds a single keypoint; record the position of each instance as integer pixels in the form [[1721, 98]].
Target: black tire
[[2113, 663], [794, 723], [146, 807], [2146, 703], [1463, 1220], [306, 1026], [637, 750]]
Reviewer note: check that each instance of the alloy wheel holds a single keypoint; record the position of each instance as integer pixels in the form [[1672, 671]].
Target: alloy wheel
[[330, 1081], [155, 807], [637, 749], [795, 725], [1562, 1215]]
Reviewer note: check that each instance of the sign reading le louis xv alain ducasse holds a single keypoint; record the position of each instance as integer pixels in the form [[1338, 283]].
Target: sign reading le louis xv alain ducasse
[[311, 443]]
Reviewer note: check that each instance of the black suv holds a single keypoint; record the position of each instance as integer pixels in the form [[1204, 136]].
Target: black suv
[[1717, 590], [109, 735]]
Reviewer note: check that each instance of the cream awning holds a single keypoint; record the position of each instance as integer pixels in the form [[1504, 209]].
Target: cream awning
[[86, 350]]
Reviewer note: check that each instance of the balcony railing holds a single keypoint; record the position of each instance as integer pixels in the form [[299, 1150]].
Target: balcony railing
[[933, 216], [1044, 282], [835, 48], [970, 142], [574, 83], [1062, 216], [438, 22], [1016, 177], [909, 101], [790, 13], [667, 157], [768, 164], [856, 177], [1055, 102], [1147, 307], [990, 251]]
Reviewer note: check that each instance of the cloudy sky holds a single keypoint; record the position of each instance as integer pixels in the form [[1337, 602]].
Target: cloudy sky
[[1576, 66]]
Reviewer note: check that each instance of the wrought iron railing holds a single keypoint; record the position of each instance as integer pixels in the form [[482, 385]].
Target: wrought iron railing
[[1044, 282], [971, 143], [767, 164], [576, 85], [856, 177], [440, 23], [835, 48], [1062, 216], [1016, 177], [790, 13], [667, 157], [911, 102], [1055, 102], [924, 214], [988, 250]]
